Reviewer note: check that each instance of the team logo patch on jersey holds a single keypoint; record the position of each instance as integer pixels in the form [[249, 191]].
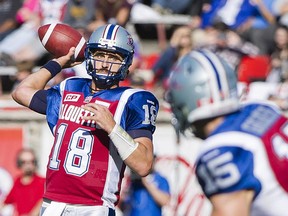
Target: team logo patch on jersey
[[72, 97], [88, 99]]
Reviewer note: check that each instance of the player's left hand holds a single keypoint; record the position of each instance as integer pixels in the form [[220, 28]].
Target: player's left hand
[[101, 115]]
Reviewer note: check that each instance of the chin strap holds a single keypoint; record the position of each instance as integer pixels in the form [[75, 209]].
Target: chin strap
[[99, 89]]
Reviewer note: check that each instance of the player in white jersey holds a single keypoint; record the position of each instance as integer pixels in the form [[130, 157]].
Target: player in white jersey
[[99, 127], [242, 163]]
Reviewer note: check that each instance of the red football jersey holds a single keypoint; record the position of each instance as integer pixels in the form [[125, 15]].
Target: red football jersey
[[84, 166]]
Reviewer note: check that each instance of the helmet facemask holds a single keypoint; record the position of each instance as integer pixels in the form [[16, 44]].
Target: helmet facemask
[[110, 78]]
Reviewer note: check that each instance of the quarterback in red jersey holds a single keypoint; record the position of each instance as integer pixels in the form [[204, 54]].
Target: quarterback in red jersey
[[99, 127]]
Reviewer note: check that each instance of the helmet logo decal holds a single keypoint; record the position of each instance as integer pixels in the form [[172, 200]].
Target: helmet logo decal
[[107, 43], [130, 41], [108, 38]]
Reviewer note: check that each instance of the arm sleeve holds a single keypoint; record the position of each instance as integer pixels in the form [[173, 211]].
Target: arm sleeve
[[140, 133], [39, 102], [141, 113]]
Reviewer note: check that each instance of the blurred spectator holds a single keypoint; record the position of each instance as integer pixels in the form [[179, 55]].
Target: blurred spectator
[[13, 44], [281, 10], [279, 57], [227, 43], [260, 28], [232, 13], [147, 195], [8, 10], [275, 87], [27, 191], [24, 69], [180, 44], [52, 11], [111, 11], [23, 43], [253, 19], [279, 96], [196, 9], [79, 14], [170, 6], [9, 82]]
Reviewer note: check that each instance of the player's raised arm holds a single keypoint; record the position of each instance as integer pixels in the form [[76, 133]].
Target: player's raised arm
[[38, 80]]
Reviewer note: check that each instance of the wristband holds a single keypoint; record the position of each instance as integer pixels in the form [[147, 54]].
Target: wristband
[[123, 142], [53, 67]]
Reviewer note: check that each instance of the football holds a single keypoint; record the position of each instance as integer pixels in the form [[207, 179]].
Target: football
[[58, 38]]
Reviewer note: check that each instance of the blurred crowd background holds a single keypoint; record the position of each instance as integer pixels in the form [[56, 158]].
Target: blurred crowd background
[[252, 35]]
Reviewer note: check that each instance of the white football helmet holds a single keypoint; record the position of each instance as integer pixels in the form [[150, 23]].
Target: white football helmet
[[201, 86], [110, 38]]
